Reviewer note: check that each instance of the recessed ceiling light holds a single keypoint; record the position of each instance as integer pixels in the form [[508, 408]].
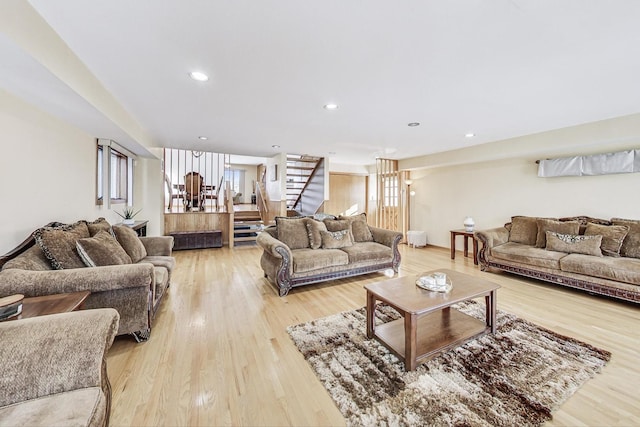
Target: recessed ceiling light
[[469, 135], [413, 124], [331, 107], [275, 146], [203, 138], [199, 76], [331, 153]]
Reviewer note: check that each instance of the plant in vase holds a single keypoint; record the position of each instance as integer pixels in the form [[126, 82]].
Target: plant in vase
[[128, 214]]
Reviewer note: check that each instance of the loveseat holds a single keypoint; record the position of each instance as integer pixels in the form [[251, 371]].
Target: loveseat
[[597, 255], [54, 369], [303, 250], [120, 269]]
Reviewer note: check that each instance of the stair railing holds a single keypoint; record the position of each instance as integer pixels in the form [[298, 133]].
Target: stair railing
[[262, 201], [306, 184]]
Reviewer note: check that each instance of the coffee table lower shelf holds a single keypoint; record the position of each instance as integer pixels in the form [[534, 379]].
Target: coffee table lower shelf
[[438, 331]]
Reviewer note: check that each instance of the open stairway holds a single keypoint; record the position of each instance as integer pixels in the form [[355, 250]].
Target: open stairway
[[246, 226], [299, 169]]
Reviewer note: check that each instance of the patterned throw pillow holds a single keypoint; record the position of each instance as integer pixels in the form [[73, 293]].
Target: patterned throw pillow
[[130, 242], [574, 244], [102, 249], [336, 239], [59, 244]]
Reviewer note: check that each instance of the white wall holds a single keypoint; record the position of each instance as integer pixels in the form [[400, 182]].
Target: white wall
[[47, 173], [493, 191]]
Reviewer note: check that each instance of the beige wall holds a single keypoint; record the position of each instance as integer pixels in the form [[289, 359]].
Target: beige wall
[[48, 173], [492, 191]]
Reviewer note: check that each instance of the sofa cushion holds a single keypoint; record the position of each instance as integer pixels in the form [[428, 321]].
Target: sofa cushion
[[81, 407], [305, 260], [313, 230], [527, 254], [612, 237], [625, 270], [524, 230], [293, 232], [101, 249], [130, 242], [359, 227], [59, 244], [167, 262], [574, 244], [631, 244], [336, 239], [368, 251], [562, 227], [31, 259], [99, 224]]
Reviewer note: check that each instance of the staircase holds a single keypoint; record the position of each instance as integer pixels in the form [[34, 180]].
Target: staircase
[[246, 226], [299, 169]]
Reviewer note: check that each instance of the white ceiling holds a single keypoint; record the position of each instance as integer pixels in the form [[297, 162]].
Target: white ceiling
[[499, 69]]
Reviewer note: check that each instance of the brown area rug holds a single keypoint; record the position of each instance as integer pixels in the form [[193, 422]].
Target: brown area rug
[[516, 377]]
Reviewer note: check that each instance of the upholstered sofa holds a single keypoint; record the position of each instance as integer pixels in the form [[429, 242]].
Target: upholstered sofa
[[303, 250], [120, 269], [54, 370], [596, 255]]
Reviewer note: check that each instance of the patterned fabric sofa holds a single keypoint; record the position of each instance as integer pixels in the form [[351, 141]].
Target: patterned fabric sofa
[[303, 250], [120, 269], [597, 255]]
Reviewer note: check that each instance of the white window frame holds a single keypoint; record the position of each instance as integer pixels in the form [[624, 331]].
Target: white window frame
[[118, 179]]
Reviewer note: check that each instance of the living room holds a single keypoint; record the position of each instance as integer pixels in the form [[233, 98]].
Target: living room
[[234, 364]]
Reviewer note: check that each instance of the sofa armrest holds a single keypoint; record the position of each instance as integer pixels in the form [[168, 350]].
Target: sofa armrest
[[52, 354], [273, 246], [385, 237], [489, 239], [158, 245], [94, 279]]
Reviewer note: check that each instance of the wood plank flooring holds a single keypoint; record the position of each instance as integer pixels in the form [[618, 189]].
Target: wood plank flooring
[[219, 353]]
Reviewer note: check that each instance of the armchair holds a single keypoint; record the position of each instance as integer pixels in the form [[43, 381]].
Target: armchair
[[54, 369]]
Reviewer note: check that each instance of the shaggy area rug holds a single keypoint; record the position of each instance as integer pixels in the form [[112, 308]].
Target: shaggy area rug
[[516, 377]]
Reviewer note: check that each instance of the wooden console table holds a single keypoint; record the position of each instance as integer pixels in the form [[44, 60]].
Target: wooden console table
[[466, 234], [51, 304], [140, 227]]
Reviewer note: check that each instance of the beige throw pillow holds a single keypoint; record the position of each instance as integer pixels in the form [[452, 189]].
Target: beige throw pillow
[[130, 242], [359, 227], [524, 230], [562, 227], [313, 230], [336, 239], [59, 244], [612, 237], [574, 244], [99, 224], [102, 249], [293, 232], [631, 244]]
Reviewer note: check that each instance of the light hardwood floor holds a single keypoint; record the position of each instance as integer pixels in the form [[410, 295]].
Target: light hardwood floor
[[219, 353]]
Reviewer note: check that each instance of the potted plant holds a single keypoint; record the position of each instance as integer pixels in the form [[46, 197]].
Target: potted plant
[[128, 214]]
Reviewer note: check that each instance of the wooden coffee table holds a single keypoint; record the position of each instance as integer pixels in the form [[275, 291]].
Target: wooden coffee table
[[429, 326], [51, 304]]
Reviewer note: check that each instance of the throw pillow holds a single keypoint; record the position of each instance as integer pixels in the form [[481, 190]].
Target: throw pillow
[[562, 227], [524, 230], [336, 239], [337, 225], [313, 230], [631, 244], [130, 242], [59, 244], [99, 224], [292, 231], [359, 227], [102, 249], [612, 237], [574, 244]]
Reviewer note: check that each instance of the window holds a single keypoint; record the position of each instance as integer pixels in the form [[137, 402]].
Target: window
[[115, 173]]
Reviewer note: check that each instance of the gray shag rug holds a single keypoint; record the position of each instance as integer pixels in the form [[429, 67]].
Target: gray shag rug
[[516, 377]]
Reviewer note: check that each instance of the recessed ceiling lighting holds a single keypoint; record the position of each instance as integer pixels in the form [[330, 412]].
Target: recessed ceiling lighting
[[469, 135], [199, 76], [275, 146], [331, 153], [203, 138], [331, 107], [413, 124]]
